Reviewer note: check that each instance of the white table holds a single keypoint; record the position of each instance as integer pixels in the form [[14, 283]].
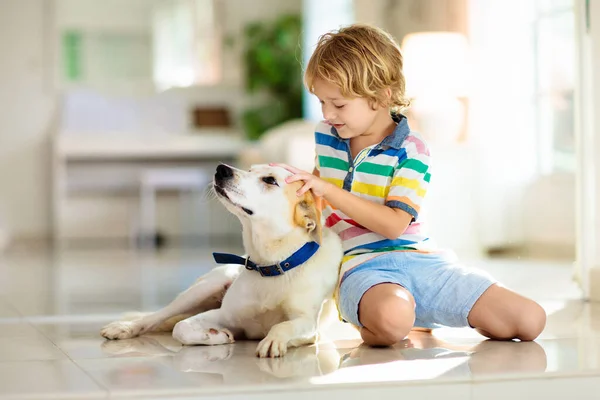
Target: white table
[[112, 146], [96, 176]]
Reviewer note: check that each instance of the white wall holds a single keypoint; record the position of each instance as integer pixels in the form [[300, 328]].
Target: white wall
[[92, 14], [588, 146], [27, 102], [593, 112]]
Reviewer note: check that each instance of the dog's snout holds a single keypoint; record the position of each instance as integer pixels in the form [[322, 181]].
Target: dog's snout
[[223, 172]]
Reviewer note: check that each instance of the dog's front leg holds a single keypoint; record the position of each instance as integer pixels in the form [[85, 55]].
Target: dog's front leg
[[296, 332], [208, 328]]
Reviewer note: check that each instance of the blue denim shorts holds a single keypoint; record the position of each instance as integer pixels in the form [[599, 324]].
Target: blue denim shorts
[[444, 290]]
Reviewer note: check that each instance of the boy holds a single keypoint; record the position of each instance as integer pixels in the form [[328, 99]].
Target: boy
[[373, 173]]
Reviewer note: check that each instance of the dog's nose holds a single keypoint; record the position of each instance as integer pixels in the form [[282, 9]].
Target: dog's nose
[[223, 172]]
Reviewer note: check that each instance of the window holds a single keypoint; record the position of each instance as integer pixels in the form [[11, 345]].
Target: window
[[186, 40], [555, 62]]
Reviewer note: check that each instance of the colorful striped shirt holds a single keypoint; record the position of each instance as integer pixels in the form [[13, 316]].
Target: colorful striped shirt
[[394, 172]]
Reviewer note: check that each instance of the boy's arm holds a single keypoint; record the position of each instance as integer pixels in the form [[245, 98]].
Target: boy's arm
[[381, 219], [387, 221]]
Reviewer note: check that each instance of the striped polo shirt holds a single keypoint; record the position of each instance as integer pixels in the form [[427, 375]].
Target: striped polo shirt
[[394, 172]]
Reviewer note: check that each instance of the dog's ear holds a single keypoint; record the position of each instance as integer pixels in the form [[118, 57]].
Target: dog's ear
[[307, 214]]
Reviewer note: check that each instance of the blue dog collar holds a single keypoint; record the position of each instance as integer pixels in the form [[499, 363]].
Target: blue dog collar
[[296, 259]]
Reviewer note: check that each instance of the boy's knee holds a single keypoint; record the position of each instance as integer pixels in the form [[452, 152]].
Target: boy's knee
[[389, 322], [526, 325], [532, 322]]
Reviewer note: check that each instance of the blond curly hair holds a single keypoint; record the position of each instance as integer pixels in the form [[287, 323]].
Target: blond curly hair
[[363, 61]]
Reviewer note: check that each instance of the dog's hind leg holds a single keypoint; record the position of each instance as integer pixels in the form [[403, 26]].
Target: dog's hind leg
[[168, 324], [205, 294]]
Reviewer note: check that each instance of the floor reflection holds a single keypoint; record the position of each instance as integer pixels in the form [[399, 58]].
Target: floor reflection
[[237, 364]]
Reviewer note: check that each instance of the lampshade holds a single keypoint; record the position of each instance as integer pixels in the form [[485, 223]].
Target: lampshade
[[435, 63]]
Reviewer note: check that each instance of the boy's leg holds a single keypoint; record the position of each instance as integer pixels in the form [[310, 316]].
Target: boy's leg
[[503, 314], [376, 297], [387, 314]]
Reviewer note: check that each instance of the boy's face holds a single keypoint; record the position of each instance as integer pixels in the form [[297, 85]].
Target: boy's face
[[351, 117]]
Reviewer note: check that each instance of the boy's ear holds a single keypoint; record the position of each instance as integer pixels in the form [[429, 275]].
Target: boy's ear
[[382, 101], [388, 93], [373, 104]]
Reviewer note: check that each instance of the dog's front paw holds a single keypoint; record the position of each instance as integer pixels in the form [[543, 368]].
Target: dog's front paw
[[272, 346], [188, 334], [121, 330]]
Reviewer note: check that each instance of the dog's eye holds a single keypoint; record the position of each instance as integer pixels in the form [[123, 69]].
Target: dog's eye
[[269, 180], [249, 212]]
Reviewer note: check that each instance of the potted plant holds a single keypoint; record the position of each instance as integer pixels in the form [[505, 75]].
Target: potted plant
[[272, 61]]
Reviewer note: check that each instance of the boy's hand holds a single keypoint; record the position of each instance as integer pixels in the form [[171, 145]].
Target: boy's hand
[[318, 185]]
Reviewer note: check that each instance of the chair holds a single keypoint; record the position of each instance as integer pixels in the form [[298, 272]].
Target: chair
[[189, 182]]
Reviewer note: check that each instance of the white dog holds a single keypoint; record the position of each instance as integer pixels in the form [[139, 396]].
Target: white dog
[[278, 293]]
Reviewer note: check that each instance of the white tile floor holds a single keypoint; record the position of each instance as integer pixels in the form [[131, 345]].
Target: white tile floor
[[52, 307]]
